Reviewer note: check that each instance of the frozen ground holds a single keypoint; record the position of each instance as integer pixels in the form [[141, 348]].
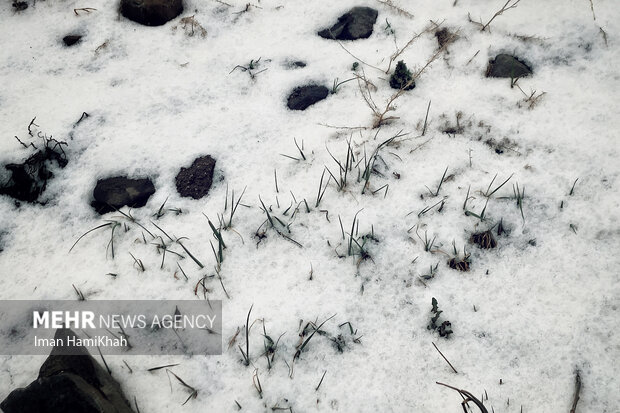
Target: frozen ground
[[531, 312]]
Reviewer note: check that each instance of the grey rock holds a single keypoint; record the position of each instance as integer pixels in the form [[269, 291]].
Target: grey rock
[[304, 96], [113, 193], [508, 66], [357, 23]]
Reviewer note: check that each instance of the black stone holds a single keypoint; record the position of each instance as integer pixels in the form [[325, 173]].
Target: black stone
[[151, 12], [508, 66], [303, 96], [113, 193], [69, 384], [71, 39], [19, 5], [29, 179], [357, 23], [195, 181]]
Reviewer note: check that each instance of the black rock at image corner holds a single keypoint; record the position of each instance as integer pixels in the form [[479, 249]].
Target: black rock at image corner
[[68, 384]]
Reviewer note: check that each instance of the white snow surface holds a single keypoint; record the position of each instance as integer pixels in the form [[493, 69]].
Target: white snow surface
[[531, 312]]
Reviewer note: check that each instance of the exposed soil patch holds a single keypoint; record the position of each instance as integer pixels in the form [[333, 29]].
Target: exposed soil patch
[[195, 181]]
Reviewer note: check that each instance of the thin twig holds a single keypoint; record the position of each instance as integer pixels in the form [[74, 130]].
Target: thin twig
[[320, 382], [506, 6], [444, 357], [398, 9], [577, 391], [426, 118]]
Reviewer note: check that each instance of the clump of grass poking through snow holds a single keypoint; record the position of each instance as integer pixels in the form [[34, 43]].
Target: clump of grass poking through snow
[[246, 354], [343, 170], [484, 240], [356, 243], [233, 209], [251, 68], [459, 263], [441, 181], [337, 84], [431, 272], [217, 234], [369, 163], [307, 333], [193, 391], [279, 226]]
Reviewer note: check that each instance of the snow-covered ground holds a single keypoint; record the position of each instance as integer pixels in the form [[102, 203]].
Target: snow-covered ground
[[528, 315]]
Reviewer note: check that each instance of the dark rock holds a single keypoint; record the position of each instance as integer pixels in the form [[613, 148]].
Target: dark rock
[[29, 179], [151, 12], [69, 384], [195, 181], [402, 77], [113, 193], [505, 65], [19, 5], [71, 39], [303, 96], [355, 24]]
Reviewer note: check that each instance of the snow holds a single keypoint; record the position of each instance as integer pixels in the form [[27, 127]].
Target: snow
[[158, 98]]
